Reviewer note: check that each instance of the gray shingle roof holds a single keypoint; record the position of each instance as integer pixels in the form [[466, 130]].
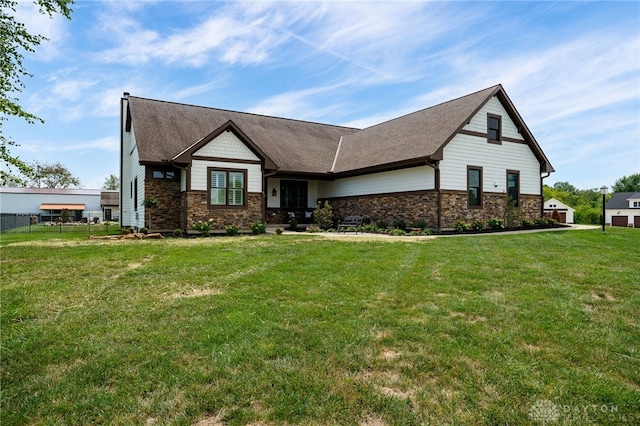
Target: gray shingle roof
[[620, 200], [164, 130]]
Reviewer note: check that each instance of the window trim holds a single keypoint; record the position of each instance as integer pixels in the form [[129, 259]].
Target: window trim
[[499, 118], [517, 173], [227, 205], [480, 192], [306, 193], [135, 194]]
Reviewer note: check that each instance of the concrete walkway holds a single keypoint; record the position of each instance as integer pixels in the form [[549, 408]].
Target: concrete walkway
[[360, 235]]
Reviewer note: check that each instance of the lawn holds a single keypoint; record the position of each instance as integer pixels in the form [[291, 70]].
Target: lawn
[[539, 328]]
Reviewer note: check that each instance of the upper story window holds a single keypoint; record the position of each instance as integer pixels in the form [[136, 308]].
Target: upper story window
[[494, 128], [474, 186], [227, 188]]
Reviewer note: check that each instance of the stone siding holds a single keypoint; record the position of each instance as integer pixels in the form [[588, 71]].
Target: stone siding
[[167, 214], [454, 208], [195, 207], [408, 206]]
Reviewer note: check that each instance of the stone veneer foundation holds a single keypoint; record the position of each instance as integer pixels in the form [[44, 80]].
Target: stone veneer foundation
[[423, 205], [195, 207], [408, 206]]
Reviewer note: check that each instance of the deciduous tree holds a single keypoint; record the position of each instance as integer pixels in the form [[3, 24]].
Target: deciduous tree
[[15, 39], [629, 183]]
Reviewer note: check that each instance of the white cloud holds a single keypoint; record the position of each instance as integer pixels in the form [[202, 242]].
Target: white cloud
[[53, 28]]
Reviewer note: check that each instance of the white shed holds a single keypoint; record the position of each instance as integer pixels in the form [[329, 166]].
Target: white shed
[[566, 212]]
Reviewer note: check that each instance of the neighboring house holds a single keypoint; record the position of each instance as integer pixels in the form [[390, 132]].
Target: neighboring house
[[47, 203], [458, 160], [566, 212], [110, 204], [623, 209]]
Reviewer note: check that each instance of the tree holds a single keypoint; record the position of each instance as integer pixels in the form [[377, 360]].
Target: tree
[[112, 182], [15, 40], [52, 176], [629, 183]]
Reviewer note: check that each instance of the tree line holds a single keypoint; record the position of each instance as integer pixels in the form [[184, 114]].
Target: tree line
[[588, 202]]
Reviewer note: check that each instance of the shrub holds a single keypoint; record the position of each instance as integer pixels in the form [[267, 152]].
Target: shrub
[[420, 223], [177, 232], [397, 232], [323, 216], [526, 223], [477, 225], [258, 228], [555, 215], [144, 230], [293, 224], [496, 223], [278, 231], [381, 224], [426, 232], [546, 222], [400, 224], [232, 230], [461, 226]]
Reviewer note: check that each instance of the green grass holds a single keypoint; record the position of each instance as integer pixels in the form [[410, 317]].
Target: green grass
[[307, 330]]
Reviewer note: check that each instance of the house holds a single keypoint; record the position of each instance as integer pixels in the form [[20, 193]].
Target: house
[[46, 204], [459, 160], [566, 212], [623, 209]]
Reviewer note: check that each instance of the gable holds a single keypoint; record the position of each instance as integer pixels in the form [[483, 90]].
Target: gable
[[478, 123], [226, 145]]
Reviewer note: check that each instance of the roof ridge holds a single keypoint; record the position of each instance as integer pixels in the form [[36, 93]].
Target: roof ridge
[[434, 106], [245, 113]]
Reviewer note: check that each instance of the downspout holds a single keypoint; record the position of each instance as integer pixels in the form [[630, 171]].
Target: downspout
[[542, 193]]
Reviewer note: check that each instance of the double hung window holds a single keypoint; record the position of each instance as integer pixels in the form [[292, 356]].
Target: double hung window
[[494, 128], [227, 188]]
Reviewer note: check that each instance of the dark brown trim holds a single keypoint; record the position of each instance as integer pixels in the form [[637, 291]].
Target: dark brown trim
[[229, 126], [473, 133], [225, 160], [389, 167], [485, 136], [480, 191], [499, 118], [226, 206], [517, 173], [148, 175], [512, 140], [436, 178]]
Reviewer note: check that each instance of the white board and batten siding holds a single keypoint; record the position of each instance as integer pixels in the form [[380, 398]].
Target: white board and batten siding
[[225, 146], [495, 159]]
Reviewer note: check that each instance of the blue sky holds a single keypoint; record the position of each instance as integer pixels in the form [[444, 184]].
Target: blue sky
[[572, 70]]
